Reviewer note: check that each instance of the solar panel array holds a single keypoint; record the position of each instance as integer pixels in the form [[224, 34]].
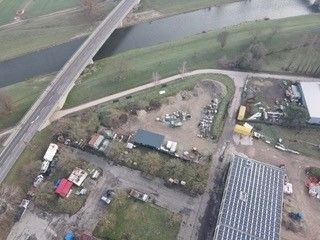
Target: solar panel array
[[252, 202]]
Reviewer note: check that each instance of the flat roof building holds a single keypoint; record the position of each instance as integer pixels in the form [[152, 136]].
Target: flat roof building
[[252, 202], [148, 139], [311, 99]]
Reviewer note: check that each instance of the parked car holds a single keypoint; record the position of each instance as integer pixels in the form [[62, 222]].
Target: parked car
[[38, 180], [108, 196]]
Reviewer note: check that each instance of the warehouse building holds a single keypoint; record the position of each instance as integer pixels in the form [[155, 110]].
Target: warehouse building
[[148, 139], [252, 202], [311, 99]]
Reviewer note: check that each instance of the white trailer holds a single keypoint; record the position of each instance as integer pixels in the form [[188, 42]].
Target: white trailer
[[51, 152]]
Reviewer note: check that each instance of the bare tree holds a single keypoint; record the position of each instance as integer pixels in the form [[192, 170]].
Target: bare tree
[[222, 38], [6, 103]]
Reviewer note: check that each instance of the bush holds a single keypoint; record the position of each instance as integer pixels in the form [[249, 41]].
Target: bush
[[313, 171]]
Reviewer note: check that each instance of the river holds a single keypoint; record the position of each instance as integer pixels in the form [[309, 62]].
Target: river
[[151, 33]]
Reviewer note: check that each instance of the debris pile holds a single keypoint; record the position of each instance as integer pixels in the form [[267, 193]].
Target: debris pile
[[313, 185], [206, 120], [176, 118]]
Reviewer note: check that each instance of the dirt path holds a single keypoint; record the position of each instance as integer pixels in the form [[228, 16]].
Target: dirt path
[[231, 74]]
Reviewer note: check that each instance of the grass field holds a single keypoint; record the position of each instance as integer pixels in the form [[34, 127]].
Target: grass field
[[178, 6], [36, 34], [42, 7], [8, 9], [293, 138], [29, 160], [126, 218], [22, 96]]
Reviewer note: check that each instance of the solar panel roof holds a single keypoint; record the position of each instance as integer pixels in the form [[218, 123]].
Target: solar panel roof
[[252, 202]]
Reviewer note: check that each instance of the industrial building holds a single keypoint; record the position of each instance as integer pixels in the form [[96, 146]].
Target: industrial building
[[148, 139], [252, 202], [311, 99]]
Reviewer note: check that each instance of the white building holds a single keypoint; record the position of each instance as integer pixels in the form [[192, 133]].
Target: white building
[[311, 99], [51, 152]]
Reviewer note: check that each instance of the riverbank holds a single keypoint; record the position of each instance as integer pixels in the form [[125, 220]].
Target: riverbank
[[137, 67], [60, 27], [169, 7]]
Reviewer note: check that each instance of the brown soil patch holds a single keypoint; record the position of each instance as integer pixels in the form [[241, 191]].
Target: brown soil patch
[[186, 136]]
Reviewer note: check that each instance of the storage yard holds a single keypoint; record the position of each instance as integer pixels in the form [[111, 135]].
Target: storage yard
[[89, 174]]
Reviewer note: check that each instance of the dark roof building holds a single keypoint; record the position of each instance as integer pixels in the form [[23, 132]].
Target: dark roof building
[[252, 202], [148, 139]]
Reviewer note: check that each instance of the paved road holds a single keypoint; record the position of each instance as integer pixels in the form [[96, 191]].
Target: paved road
[[49, 100], [235, 75]]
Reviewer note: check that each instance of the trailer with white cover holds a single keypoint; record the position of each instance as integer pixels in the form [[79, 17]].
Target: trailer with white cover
[[51, 152]]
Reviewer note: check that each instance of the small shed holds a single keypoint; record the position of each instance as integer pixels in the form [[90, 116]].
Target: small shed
[[78, 176], [96, 141], [148, 139], [63, 188], [242, 113], [242, 130]]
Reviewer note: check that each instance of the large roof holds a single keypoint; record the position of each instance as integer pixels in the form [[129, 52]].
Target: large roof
[[252, 202], [311, 93], [148, 139]]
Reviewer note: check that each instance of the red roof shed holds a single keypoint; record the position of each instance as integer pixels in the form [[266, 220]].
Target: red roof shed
[[63, 188]]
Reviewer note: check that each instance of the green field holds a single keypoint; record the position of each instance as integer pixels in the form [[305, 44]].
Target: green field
[[126, 218], [29, 162], [178, 6], [42, 7], [22, 95], [41, 33], [300, 140], [8, 9]]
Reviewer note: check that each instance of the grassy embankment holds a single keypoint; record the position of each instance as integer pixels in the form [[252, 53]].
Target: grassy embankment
[[40, 33], [42, 7], [178, 6], [130, 219], [301, 140], [133, 68], [22, 95], [8, 9]]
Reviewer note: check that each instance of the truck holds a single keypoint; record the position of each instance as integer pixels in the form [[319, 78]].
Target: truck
[[44, 167], [138, 195], [21, 209]]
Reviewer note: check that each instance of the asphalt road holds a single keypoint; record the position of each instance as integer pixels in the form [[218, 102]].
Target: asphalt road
[[49, 100]]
